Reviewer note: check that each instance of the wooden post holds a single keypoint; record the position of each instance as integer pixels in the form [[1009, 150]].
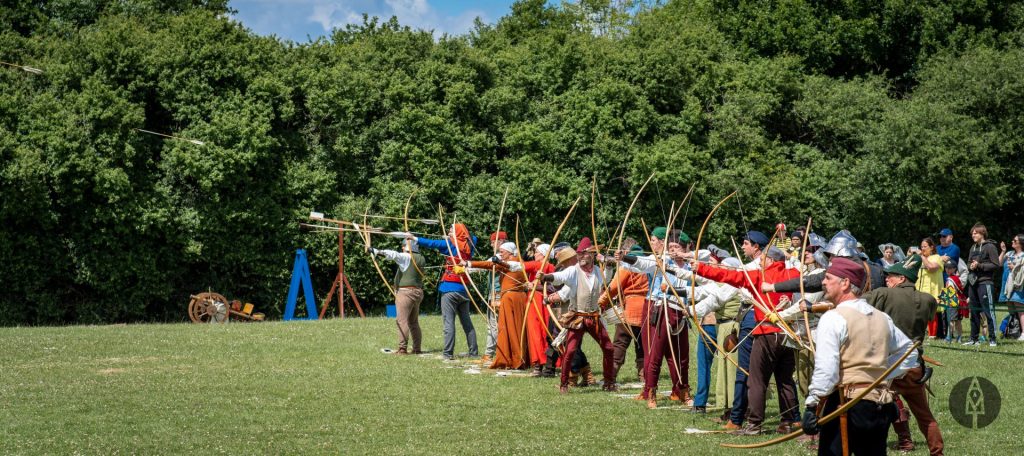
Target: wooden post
[[341, 284]]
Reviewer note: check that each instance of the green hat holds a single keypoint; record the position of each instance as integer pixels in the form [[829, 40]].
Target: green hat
[[636, 249], [908, 268], [683, 237], [659, 232]]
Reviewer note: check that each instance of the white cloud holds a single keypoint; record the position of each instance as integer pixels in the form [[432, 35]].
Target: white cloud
[[299, 20], [418, 14]]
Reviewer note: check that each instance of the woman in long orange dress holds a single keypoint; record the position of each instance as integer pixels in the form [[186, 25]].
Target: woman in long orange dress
[[511, 349]]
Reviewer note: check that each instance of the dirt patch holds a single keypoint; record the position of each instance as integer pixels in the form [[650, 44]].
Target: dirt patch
[[111, 371]]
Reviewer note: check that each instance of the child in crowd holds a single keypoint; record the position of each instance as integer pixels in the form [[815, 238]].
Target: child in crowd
[[954, 301]]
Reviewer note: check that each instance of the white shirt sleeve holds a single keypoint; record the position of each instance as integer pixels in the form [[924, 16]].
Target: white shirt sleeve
[[644, 265], [707, 304], [402, 259], [791, 312], [565, 294], [830, 336], [564, 276]]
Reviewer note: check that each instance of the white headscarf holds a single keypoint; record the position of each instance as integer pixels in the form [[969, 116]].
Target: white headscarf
[[544, 249], [510, 247]]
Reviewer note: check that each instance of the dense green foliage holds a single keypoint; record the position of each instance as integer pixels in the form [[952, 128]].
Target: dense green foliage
[[890, 118]]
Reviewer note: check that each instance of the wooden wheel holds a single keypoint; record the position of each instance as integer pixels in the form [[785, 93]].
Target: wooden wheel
[[208, 306]]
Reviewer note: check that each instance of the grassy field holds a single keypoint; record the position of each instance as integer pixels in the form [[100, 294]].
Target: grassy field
[[326, 387]]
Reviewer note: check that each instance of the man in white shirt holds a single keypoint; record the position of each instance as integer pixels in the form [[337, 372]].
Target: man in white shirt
[[855, 344], [583, 285]]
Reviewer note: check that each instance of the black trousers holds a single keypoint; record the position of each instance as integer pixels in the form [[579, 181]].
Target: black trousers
[[867, 428]]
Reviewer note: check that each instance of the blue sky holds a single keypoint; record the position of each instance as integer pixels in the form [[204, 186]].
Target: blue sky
[[299, 20]]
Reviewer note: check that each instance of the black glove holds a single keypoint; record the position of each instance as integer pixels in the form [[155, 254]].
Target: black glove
[[495, 259], [810, 423], [670, 270], [629, 259]]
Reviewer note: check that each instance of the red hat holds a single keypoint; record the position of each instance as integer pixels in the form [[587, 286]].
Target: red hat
[[846, 268], [499, 235], [584, 245]]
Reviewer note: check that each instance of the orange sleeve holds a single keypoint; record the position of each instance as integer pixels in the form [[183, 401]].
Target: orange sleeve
[[488, 265]]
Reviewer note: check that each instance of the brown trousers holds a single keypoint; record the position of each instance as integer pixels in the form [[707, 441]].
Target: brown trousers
[[770, 358], [916, 398], [622, 341], [407, 308]]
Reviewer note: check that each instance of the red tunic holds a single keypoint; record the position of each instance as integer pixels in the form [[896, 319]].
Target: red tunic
[[777, 272]]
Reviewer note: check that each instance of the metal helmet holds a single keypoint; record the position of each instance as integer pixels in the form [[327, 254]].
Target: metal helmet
[[820, 258], [842, 244], [816, 240]]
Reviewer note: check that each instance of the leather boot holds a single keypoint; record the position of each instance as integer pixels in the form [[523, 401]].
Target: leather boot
[[537, 370], [587, 377], [903, 440], [574, 378]]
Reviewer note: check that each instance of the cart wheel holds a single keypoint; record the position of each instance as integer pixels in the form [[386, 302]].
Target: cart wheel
[[206, 307]]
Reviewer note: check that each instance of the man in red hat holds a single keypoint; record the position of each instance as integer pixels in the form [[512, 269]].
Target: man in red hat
[[583, 284], [856, 343]]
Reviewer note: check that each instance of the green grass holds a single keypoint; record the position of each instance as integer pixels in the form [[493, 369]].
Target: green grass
[[325, 387]]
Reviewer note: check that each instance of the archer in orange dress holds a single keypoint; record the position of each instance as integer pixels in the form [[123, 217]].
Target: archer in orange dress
[[512, 348]]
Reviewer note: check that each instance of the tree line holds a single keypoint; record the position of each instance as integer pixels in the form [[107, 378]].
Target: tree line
[[889, 118]]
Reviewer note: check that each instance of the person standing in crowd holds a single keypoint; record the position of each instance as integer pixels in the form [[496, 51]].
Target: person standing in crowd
[[1013, 278], [983, 259], [949, 251], [891, 254], [911, 311], [930, 280], [456, 247], [408, 285], [954, 301], [631, 289], [856, 344]]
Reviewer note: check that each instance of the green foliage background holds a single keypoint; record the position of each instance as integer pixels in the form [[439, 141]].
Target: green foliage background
[[890, 118]]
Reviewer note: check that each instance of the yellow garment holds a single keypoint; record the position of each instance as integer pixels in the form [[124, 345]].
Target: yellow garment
[[930, 282]]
